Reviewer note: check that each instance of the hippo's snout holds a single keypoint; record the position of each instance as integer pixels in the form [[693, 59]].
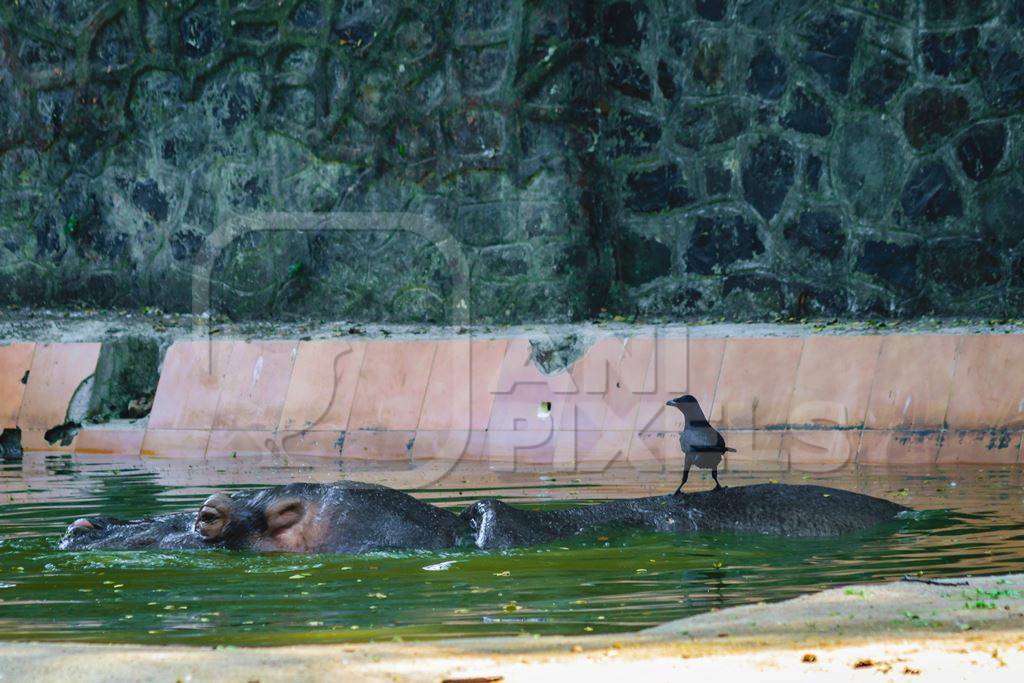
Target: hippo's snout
[[79, 531], [85, 530], [85, 526], [167, 531]]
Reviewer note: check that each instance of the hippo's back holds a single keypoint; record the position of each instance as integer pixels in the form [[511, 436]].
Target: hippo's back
[[787, 510], [369, 517]]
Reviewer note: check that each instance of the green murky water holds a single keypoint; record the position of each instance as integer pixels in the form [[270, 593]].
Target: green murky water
[[598, 583]]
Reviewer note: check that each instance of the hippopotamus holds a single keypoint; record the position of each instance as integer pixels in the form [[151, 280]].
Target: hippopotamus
[[354, 517], [347, 517]]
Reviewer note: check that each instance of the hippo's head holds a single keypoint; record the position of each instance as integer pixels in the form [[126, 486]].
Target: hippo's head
[[174, 531], [285, 518], [307, 518], [281, 518]]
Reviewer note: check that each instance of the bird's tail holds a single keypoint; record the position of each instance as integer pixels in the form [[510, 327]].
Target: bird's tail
[[730, 450]]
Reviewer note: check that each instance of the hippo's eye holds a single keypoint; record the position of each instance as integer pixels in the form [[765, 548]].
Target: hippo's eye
[[214, 516], [210, 522]]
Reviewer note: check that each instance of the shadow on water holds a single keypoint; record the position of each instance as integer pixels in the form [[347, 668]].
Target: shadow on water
[[611, 580]]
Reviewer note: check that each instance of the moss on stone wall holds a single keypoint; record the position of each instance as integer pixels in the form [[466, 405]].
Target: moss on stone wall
[[737, 158]]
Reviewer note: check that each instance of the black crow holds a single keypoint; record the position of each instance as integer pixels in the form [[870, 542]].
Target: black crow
[[702, 445]]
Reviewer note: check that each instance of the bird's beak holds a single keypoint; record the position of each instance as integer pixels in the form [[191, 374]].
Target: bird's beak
[[670, 403]]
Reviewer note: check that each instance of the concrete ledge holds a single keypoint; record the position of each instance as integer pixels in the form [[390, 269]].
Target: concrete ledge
[[813, 399]]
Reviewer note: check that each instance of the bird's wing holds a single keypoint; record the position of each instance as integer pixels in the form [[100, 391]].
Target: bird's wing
[[697, 439]]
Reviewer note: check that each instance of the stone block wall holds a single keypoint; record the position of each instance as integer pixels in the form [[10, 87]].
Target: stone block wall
[[745, 159]]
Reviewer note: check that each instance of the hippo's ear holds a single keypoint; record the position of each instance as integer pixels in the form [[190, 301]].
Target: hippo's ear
[[284, 514]]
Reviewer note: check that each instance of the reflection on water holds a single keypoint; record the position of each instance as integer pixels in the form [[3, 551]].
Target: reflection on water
[[601, 582]]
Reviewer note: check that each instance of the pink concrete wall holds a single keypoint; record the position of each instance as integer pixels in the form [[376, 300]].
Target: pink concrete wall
[[813, 401]]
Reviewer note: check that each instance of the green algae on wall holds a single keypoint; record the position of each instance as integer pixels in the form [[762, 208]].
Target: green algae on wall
[[726, 158]]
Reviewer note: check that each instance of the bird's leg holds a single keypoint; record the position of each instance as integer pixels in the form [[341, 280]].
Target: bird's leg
[[686, 473], [714, 475]]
